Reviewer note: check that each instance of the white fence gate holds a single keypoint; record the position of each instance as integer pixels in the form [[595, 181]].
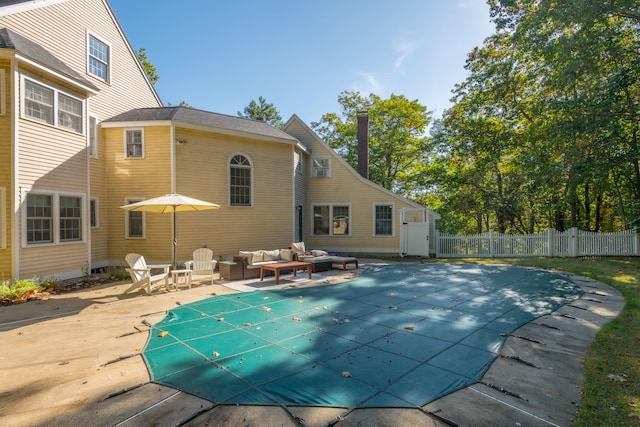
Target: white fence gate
[[570, 243], [414, 238]]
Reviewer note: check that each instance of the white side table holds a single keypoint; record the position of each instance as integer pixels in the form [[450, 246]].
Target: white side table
[[180, 278]]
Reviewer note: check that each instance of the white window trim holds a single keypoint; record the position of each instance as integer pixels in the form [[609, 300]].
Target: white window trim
[[93, 148], [101, 40], [3, 92], [128, 201], [55, 217], [331, 215], [252, 183], [56, 91], [126, 152], [97, 212], [321, 172], [393, 220], [3, 217]]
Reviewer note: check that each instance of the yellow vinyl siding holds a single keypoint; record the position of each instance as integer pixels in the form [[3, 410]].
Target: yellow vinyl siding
[[143, 178], [345, 187], [203, 173]]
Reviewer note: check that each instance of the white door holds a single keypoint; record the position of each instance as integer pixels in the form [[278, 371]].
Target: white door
[[414, 239]]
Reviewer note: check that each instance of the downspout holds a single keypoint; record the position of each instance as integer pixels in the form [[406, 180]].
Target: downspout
[[87, 202], [172, 148], [15, 153]]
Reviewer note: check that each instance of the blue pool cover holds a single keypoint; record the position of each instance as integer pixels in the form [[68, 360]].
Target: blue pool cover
[[400, 335]]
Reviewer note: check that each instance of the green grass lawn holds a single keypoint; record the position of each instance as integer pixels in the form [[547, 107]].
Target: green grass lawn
[[611, 394]]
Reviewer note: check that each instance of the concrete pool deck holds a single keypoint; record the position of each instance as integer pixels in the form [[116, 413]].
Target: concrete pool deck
[[75, 359]]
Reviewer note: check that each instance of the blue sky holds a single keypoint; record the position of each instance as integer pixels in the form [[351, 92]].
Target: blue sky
[[301, 54]]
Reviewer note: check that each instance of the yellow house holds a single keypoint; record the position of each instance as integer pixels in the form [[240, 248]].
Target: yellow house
[[83, 132]]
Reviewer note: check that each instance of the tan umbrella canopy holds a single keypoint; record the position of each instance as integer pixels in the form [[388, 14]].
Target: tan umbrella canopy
[[171, 203]]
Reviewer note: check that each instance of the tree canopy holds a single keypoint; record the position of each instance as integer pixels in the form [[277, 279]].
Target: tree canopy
[[544, 131], [398, 145], [149, 68], [262, 111]]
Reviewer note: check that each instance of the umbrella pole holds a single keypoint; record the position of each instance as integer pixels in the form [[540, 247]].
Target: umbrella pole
[[175, 241]]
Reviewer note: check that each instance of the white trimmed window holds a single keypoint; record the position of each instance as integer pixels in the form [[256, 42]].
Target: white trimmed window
[[70, 219], [98, 58], [321, 167], [38, 102], [39, 218], [53, 218], [134, 222], [69, 113], [48, 105], [93, 137], [331, 220], [240, 181], [383, 215], [134, 143]]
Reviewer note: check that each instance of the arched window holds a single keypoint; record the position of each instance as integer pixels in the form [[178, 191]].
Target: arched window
[[239, 181]]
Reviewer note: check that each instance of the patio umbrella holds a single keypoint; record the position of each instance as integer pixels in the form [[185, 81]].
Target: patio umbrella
[[171, 203]]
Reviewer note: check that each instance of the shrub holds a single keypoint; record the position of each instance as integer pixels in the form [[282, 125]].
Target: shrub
[[19, 290]]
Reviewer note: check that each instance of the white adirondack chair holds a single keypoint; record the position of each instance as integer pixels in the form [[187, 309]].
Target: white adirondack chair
[[141, 275], [202, 263]]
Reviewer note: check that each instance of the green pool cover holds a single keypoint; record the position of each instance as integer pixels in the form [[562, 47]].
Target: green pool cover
[[400, 335]]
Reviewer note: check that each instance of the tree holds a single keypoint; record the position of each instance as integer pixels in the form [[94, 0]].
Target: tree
[[262, 111], [398, 146], [544, 131], [149, 68]]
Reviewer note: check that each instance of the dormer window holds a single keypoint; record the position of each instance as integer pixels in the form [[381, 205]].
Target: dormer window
[[321, 167]]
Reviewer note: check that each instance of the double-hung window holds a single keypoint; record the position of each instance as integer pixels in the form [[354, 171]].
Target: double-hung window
[[134, 143], [51, 106], [99, 58], [383, 220], [331, 220], [38, 102], [39, 218], [70, 219], [240, 181], [134, 222], [69, 113]]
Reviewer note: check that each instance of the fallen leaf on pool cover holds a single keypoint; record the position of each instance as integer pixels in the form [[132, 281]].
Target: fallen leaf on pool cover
[[216, 354], [297, 319], [346, 374], [409, 327], [220, 319], [163, 334], [265, 308]]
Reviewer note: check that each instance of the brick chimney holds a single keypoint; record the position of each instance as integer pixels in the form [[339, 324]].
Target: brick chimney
[[363, 143]]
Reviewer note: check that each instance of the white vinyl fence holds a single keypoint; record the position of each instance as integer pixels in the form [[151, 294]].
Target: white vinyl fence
[[570, 243]]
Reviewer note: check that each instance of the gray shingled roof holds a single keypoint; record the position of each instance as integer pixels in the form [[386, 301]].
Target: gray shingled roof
[[203, 118], [12, 40]]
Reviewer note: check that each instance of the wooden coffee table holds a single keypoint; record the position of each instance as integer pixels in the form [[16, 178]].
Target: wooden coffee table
[[280, 266]]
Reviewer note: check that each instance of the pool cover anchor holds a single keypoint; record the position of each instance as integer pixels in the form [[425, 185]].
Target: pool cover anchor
[[123, 391], [522, 338], [519, 359], [503, 390]]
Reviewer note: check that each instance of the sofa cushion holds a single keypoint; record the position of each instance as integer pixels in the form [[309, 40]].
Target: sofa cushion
[[273, 255], [298, 248], [318, 252], [286, 255], [253, 256]]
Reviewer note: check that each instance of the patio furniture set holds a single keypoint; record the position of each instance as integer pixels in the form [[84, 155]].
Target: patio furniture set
[[245, 265]]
